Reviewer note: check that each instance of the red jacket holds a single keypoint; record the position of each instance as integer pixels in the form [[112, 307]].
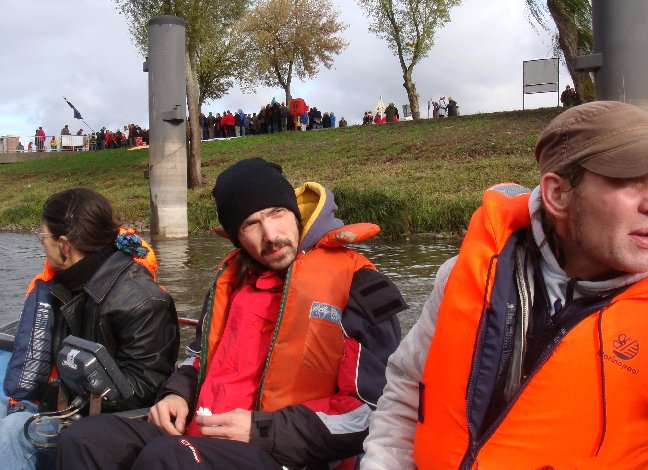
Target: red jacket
[[298, 107], [233, 380], [228, 120]]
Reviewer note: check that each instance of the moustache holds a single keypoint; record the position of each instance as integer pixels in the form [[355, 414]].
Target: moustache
[[269, 247]]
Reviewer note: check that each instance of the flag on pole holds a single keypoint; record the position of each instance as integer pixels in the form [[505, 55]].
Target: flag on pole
[[77, 114]]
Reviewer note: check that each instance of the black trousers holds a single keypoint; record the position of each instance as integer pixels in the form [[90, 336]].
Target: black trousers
[[107, 442]]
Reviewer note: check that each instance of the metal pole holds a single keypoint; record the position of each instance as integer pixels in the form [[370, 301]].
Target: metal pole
[[619, 60], [621, 36], [167, 123], [88, 125]]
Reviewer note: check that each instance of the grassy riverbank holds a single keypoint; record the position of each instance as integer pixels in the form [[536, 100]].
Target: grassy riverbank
[[409, 177]]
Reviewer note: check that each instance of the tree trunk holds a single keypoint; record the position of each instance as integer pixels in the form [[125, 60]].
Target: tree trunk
[[194, 178], [288, 96], [412, 96], [286, 84], [569, 40]]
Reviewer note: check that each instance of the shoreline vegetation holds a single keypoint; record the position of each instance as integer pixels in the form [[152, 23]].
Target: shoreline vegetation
[[421, 178]]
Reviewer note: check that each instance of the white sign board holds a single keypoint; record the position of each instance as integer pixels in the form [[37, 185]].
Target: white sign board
[[71, 141], [540, 76]]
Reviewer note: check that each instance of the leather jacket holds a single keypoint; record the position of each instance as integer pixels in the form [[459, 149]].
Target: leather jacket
[[123, 308]]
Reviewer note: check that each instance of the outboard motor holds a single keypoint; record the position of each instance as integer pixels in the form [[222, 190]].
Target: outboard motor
[[91, 373], [87, 369]]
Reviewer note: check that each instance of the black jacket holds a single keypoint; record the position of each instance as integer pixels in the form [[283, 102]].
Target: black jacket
[[123, 308]]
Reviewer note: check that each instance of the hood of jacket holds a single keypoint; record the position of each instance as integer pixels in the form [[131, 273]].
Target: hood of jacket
[[319, 226], [317, 208]]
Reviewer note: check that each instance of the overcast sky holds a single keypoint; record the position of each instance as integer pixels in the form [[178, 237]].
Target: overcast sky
[[81, 49]]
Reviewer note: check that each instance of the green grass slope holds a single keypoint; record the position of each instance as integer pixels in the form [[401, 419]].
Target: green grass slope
[[408, 177]]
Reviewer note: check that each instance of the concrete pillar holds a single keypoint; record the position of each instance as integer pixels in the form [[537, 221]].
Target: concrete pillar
[[167, 125], [620, 56]]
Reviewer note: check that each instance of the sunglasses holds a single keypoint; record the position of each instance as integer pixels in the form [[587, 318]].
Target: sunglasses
[[43, 235]]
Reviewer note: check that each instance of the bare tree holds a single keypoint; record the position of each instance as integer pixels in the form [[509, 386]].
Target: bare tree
[[290, 38], [573, 20], [209, 24], [408, 26]]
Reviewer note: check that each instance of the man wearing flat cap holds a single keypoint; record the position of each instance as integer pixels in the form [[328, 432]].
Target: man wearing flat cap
[[291, 348], [530, 352]]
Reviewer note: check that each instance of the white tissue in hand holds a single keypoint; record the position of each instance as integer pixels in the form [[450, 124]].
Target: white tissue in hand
[[203, 412]]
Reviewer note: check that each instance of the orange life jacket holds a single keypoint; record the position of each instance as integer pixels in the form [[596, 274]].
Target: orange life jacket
[[308, 342], [585, 406]]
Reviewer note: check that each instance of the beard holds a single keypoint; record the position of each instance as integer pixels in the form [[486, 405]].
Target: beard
[[279, 263]]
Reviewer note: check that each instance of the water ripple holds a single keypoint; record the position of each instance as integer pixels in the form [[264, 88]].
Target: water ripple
[[187, 266]]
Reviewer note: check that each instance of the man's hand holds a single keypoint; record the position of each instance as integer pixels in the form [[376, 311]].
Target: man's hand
[[233, 425], [170, 414]]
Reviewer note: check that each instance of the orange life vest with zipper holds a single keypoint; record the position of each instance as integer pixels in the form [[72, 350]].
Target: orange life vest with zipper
[[307, 346], [584, 405]]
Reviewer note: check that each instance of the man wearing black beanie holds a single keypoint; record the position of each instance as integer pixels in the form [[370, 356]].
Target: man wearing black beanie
[[291, 348], [249, 186]]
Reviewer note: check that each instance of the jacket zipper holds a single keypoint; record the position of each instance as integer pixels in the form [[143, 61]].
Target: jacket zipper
[[204, 340], [523, 284], [475, 361], [284, 296], [476, 446]]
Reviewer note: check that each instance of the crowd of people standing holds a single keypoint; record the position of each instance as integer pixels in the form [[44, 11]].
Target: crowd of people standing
[[442, 109], [271, 118], [132, 135], [390, 114]]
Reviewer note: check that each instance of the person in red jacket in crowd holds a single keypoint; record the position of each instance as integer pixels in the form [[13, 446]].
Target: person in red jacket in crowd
[[292, 342], [297, 108], [227, 124], [40, 139]]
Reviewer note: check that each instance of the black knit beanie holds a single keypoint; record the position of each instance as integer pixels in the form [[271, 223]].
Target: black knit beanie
[[249, 186]]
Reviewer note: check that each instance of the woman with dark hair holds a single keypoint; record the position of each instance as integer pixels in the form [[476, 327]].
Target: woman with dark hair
[[98, 284]]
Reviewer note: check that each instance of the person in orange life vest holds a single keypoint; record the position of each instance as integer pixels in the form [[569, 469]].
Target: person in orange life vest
[[97, 284], [290, 351], [527, 353]]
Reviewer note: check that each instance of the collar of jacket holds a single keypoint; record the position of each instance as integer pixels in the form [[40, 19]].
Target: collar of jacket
[[103, 280]]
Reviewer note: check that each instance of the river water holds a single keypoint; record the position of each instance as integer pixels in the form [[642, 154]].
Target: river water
[[186, 267]]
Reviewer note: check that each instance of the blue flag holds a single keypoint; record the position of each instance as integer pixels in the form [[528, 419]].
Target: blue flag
[[77, 114]]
